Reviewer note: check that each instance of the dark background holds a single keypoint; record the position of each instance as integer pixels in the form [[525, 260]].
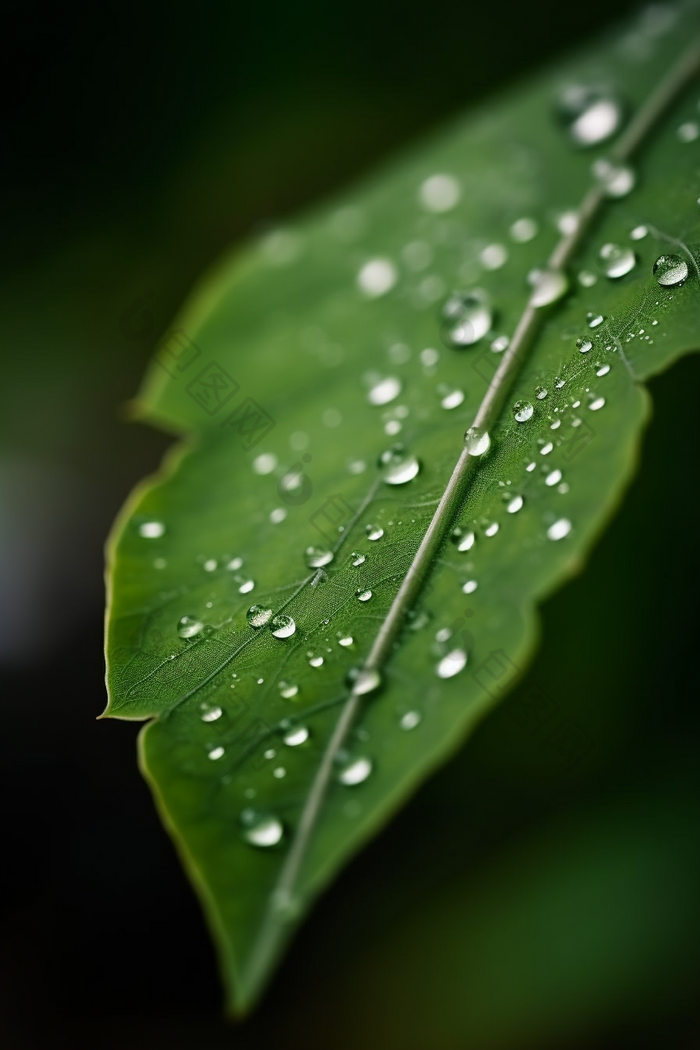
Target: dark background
[[141, 140]]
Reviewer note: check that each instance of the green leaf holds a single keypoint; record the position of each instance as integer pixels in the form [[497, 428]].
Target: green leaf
[[274, 755]]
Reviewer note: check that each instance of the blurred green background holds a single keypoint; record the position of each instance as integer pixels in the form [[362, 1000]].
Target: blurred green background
[[539, 892]]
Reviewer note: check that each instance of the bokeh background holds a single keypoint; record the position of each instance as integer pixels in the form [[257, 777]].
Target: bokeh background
[[540, 892]]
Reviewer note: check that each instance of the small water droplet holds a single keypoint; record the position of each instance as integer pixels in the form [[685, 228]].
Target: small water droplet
[[500, 343], [295, 735], [568, 222], [315, 660], [189, 626], [467, 317], [265, 463], [246, 587], [357, 558], [494, 256], [410, 720], [523, 230], [210, 712], [515, 504], [540, 393], [587, 279], [210, 565], [345, 639], [463, 539], [257, 616], [522, 411], [469, 587], [261, 829], [374, 532], [398, 466], [288, 690], [440, 193], [478, 441], [549, 285], [452, 399], [316, 557], [530, 467], [617, 180], [559, 383], [597, 404], [638, 233], [279, 772], [602, 370], [282, 626], [364, 681], [377, 277], [688, 132], [584, 345], [617, 260], [594, 319], [278, 515], [151, 530], [491, 529], [354, 769], [592, 115], [452, 664], [553, 478], [362, 594], [559, 529], [546, 448], [670, 270], [384, 391], [216, 753]]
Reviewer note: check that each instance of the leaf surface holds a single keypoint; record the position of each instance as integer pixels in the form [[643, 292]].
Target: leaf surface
[[271, 761]]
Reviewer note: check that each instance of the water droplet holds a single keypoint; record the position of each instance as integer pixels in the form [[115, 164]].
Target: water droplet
[[688, 132], [584, 345], [364, 681], [500, 343], [478, 441], [638, 233], [279, 772], [258, 616], [377, 277], [265, 463], [345, 639], [587, 279], [515, 504], [616, 179], [549, 285], [602, 370], [246, 587], [429, 357], [617, 261], [440, 193], [553, 478], [398, 466], [540, 393], [210, 712], [296, 735], [151, 530], [452, 664], [555, 425], [452, 399], [670, 270], [522, 411], [530, 467], [568, 222], [593, 116], [288, 690], [523, 230], [559, 383], [384, 391], [410, 720], [464, 541], [597, 404], [278, 515], [210, 565], [270, 753], [559, 529], [546, 448], [374, 532], [189, 626], [469, 587], [594, 319], [357, 558], [362, 594], [316, 557], [491, 529], [315, 660], [467, 317], [283, 626], [215, 753], [261, 829], [354, 770], [494, 256]]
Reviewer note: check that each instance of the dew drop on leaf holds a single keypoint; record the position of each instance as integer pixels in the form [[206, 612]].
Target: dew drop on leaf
[[617, 180], [362, 594], [189, 626], [594, 319], [354, 770], [593, 116], [151, 530], [260, 829], [296, 735], [467, 317], [602, 370], [315, 660], [410, 720], [258, 616], [469, 587], [345, 639], [559, 529], [363, 681], [478, 441], [522, 411], [316, 557], [440, 193], [282, 626], [540, 393], [616, 260], [597, 404], [246, 587], [463, 539], [452, 399], [584, 345], [452, 664], [523, 230], [384, 391], [210, 712], [215, 753], [377, 277], [357, 558], [515, 504], [491, 529], [670, 270], [398, 466], [374, 532], [638, 233], [548, 286], [288, 690], [553, 478]]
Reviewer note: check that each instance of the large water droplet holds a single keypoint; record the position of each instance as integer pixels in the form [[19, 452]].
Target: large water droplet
[[384, 391], [553, 478], [602, 370], [210, 712], [354, 770], [592, 114], [617, 260], [467, 317], [548, 286], [296, 735], [463, 539], [398, 466], [596, 404], [374, 532], [616, 179], [288, 690], [670, 270], [189, 626], [559, 529], [316, 557], [584, 345], [261, 829], [258, 616], [452, 664], [515, 504], [522, 411], [151, 530], [362, 594], [282, 626], [478, 441]]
